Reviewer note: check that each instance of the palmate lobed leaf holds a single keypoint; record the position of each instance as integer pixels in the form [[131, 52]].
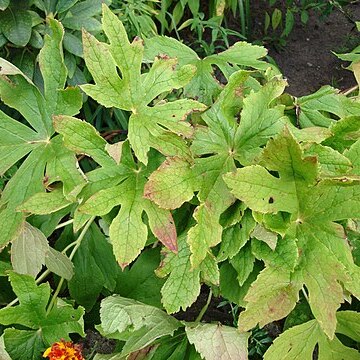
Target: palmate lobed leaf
[[161, 126], [320, 242], [18, 92], [118, 184], [216, 148], [204, 85]]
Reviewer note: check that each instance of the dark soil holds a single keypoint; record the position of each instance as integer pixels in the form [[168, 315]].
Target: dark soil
[[214, 312], [307, 60]]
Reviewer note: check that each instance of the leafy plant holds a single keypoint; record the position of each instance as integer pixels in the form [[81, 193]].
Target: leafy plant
[[23, 27], [239, 185]]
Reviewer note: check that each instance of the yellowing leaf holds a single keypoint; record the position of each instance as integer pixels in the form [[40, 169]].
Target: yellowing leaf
[[216, 341], [313, 206]]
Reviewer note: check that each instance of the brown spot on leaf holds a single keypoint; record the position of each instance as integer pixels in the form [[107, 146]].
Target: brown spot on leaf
[[239, 92], [271, 200]]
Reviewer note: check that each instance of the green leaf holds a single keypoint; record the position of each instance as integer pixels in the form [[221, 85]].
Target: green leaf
[[315, 109], [216, 341], [243, 263], [73, 44], [273, 295], [159, 126], [59, 264], [45, 203], [296, 343], [143, 323], [236, 236], [31, 313], [82, 138], [13, 134], [299, 342], [204, 85], [128, 232], [173, 173], [18, 92], [259, 121], [332, 163], [95, 267], [345, 132], [16, 25], [325, 260], [139, 282], [348, 324], [182, 287], [28, 250], [63, 5], [353, 154], [23, 344], [4, 4]]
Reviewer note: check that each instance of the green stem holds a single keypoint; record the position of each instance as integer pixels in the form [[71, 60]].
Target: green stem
[[203, 310], [77, 244], [65, 223]]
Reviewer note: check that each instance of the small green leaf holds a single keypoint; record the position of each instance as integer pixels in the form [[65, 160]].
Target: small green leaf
[[314, 109], [73, 44], [28, 250], [276, 18], [332, 163], [349, 324], [59, 264], [82, 138], [45, 203], [182, 287], [236, 236], [205, 234], [243, 263]]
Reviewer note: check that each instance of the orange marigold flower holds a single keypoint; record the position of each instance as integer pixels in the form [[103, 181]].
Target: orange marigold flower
[[64, 350]]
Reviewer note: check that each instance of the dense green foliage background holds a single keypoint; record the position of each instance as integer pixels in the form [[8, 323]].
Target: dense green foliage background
[[135, 171]]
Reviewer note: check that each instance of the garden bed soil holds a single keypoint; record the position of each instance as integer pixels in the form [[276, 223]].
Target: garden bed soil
[[307, 60]]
